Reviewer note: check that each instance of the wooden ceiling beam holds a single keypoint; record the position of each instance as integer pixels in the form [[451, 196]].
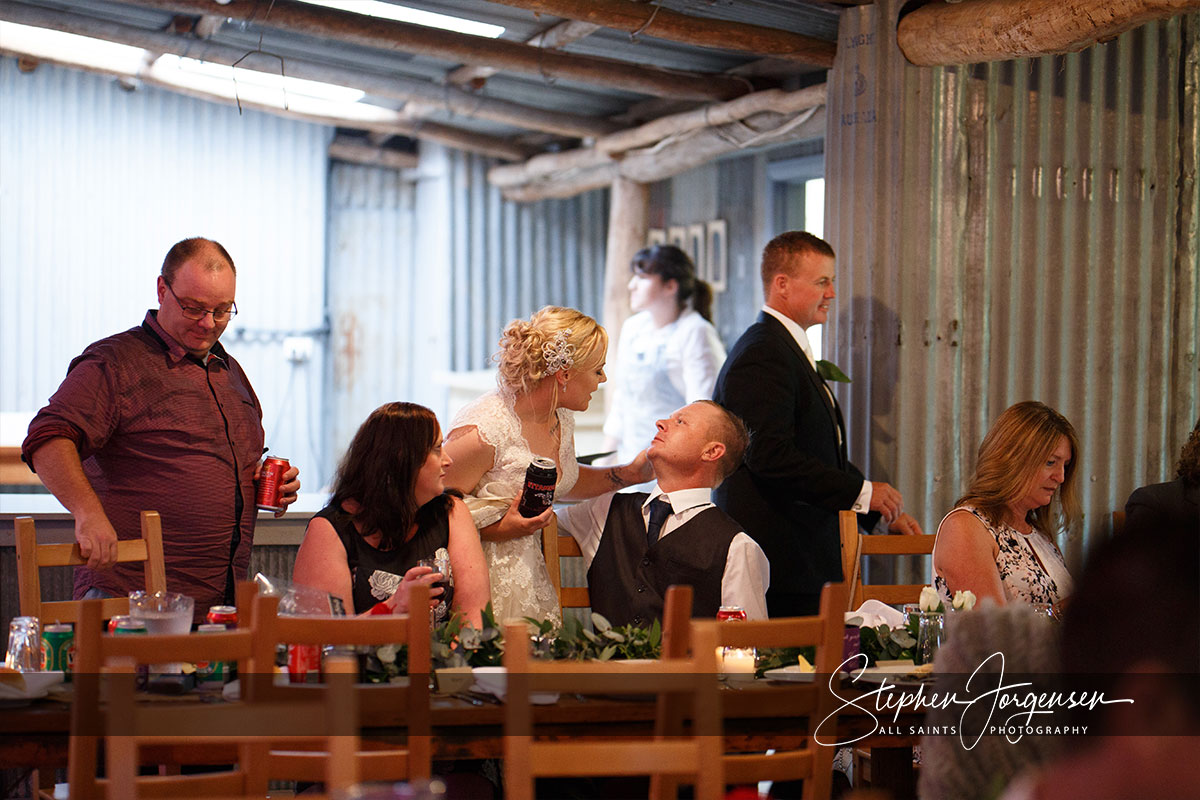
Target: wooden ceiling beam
[[462, 48], [430, 95], [609, 149], [662, 23], [344, 148], [554, 37], [941, 34], [387, 121], [647, 166]]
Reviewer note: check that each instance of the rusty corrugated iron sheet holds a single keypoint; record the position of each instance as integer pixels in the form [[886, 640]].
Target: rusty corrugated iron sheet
[[1009, 231]]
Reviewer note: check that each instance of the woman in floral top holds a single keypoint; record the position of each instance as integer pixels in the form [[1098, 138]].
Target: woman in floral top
[[998, 541]]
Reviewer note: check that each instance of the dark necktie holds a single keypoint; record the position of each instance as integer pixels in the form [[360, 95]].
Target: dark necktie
[[660, 509]]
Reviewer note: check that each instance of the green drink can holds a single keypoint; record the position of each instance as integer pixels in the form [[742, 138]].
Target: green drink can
[[58, 648], [211, 674]]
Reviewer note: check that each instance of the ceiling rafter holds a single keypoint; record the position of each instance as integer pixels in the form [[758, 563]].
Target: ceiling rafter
[[662, 23], [464, 49], [429, 95]]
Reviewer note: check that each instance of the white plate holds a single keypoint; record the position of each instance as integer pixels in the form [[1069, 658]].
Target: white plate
[[898, 675], [794, 674], [37, 684]]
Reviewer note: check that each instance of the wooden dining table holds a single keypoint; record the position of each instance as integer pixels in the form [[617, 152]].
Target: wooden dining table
[[471, 727]]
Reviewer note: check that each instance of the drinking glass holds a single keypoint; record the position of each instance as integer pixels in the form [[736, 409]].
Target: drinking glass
[[163, 613], [24, 652], [441, 611], [931, 632]]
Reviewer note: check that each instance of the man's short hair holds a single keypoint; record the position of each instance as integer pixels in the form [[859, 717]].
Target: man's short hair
[[212, 255], [778, 255], [729, 430]]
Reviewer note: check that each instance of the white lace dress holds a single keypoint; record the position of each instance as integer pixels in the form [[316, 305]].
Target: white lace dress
[[520, 584]]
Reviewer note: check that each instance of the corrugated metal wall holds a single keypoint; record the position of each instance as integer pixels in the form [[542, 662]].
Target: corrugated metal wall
[[1009, 231], [96, 184], [375, 305], [507, 260], [427, 268]]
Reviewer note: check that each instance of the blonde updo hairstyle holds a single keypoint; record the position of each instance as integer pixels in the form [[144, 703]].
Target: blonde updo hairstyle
[[522, 357]]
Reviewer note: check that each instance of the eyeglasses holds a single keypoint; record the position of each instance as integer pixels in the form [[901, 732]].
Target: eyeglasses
[[195, 313]]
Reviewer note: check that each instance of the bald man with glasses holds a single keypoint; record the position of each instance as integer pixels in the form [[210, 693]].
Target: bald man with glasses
[[161, 418]]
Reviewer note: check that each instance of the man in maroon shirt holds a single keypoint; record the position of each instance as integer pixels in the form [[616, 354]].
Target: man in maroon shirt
[[161, 418]]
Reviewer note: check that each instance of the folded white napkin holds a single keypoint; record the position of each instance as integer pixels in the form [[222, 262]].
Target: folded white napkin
[[489, 503], [873, 613]]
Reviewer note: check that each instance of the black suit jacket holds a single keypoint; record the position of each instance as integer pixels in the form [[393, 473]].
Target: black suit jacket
[[1159, 505], [796, 476]]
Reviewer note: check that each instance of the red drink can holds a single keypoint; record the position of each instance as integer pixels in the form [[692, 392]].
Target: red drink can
[[270, 484], [735, 613], [303, 659], [222, 615]]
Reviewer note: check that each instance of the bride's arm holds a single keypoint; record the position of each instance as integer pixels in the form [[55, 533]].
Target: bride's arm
[[472, 458], [594, 481]]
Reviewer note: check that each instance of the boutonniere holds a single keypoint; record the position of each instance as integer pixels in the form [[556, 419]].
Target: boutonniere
[[831, 372]]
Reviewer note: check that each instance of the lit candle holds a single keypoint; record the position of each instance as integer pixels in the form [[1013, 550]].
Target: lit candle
[[738, 663]]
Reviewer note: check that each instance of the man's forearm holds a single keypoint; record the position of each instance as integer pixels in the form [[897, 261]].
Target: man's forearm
[[58, 465]]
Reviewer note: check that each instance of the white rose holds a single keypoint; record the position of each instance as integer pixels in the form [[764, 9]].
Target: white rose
[[964, 600], [929, 599]]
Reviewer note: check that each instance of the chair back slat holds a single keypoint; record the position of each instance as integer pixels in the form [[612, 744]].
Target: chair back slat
[[856, 545], [375, 700], [556, 546], [807, 703], [698, 755], [31, 556]]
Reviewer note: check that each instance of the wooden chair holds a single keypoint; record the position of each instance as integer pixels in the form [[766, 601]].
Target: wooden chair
[[1118, 522], [699, 755], [855, 545], [810, 704], [254, 727], [554, 547], [31, 556], [257, 728], [378, 703]]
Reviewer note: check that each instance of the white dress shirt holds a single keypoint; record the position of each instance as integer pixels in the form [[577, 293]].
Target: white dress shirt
[[747, 573], [863, 504]]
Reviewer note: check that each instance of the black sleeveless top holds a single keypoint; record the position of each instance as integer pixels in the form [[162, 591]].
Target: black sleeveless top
[[376, 574]]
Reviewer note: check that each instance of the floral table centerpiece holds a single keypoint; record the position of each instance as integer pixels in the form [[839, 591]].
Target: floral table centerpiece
[[887, 643]]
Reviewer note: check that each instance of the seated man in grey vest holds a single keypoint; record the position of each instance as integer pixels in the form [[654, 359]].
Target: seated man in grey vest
[[636, 545]]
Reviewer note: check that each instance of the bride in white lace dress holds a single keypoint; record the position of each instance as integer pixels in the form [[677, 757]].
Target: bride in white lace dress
[[549, 367]]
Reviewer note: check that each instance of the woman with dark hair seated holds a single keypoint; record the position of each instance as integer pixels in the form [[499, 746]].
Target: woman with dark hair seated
[[390, 510], [998, 541]]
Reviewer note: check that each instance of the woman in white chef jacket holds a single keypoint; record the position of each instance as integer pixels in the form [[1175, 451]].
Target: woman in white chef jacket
[[668, 354]]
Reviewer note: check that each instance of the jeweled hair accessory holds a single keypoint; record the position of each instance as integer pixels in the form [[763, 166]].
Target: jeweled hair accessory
[[558, 353]]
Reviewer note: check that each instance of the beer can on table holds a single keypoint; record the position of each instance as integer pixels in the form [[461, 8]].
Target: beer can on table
[[540, 480], [302, 660], [58, 648], [211, 674], [222, 615], [735, 613], [128, 626], [270, 484]]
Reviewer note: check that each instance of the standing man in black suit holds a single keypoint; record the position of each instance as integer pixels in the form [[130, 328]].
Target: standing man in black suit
[[796, 476]]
